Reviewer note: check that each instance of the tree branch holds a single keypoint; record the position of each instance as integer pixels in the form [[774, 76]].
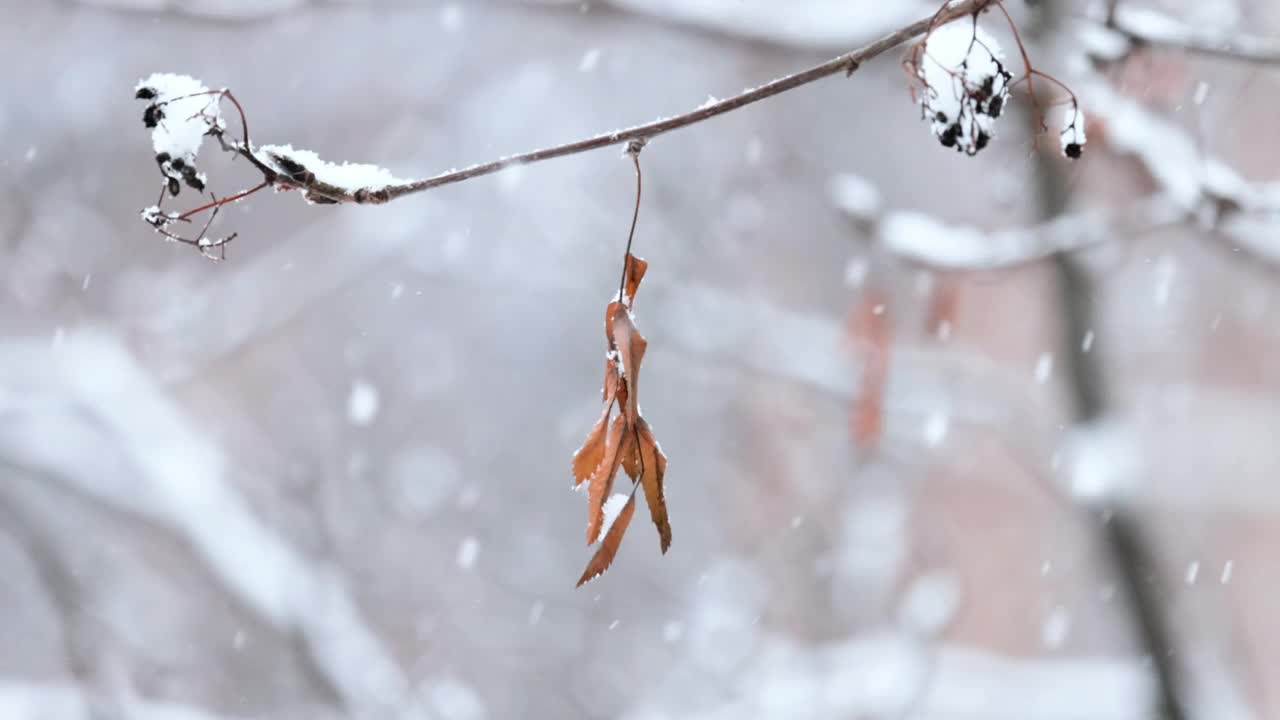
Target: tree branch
[[847, 63], [286, 169], [1148, 27]]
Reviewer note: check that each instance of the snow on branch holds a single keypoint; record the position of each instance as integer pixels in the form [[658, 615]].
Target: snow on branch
[[1206, 188], [1151, 27], [331, 180], [924, 240], [965, 85], [920, 238], [22, 698], [94, 390]]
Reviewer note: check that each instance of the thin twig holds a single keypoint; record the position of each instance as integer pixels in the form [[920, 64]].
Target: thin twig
[[216, 203], [633, 150], [846, 63]]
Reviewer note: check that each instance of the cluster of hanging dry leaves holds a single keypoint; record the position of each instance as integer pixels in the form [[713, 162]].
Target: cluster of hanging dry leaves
[[624, 440]]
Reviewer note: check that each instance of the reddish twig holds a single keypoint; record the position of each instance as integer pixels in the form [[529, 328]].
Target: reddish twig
[[217, 203], [1031, 71]]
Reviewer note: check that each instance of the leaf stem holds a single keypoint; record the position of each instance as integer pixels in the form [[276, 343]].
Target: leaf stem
[[633, 150]]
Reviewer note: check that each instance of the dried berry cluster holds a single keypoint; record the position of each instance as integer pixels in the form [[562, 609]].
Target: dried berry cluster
[[626, 441], [970, 129], [180, 113], [965, 85]]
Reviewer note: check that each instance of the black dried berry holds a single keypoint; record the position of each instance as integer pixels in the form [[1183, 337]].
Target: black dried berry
[[982, 140], [988, 87], [152, 116], [1073, 150], [145, 93], [162, 158], [178, 164], [174, 187], [940, 117], [192, 178], [996, 106]]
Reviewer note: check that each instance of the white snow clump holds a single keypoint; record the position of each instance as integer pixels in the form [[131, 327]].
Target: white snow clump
[[180, 112], [966, 85]]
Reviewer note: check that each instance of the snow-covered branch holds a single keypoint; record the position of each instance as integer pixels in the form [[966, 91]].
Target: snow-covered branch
[[26, 699], [1205, 187], [1151, 27], [924, 240], [1193, 188], [93, 393]]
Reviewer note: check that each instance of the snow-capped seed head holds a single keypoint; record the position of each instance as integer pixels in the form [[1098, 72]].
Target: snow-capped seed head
[[1072, 136], [966, 85], [180, 113]]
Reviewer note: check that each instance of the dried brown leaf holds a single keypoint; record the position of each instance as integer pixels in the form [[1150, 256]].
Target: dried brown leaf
[[631, 460], [655, 469], [609, 311], [631, 346], [587, 458], [616, 443], [635, 273], [610, 387], [612, 540]]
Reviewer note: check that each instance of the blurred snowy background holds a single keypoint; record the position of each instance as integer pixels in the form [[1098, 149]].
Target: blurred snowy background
[[329, 477]]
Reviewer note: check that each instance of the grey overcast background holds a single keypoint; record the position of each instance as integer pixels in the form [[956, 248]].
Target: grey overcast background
[[328, 478]]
